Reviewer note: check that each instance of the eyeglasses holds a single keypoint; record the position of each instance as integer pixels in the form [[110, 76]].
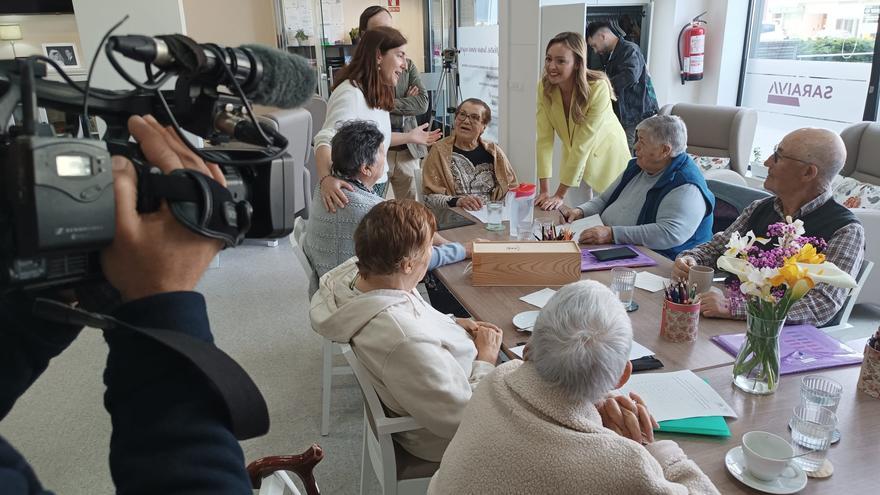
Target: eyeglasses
[[777, 155], [473, 117]]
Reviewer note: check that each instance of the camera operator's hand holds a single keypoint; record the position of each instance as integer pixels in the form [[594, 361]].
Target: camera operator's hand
[[153, 253]]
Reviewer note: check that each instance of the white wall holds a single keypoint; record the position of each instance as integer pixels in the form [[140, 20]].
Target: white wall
[[39, 29], [95, 17]]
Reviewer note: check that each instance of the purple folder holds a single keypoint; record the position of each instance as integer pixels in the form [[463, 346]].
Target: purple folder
[[589, 262], [801, 348]]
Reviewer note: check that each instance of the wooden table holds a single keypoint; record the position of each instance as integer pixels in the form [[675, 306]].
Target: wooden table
[[855, 457], [498, 305]]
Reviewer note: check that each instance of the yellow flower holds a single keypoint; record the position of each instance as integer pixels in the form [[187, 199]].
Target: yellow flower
[[808, 254], [801, 287], [789, 274]]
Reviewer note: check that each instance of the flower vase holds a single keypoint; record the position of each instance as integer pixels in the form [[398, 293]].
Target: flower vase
[[756, 369]]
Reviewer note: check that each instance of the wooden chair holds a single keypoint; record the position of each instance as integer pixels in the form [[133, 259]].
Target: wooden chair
[[329, 348], [398, 471], [271, 475]]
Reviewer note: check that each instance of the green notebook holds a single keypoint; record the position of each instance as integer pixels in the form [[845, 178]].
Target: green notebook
[[715, 426]]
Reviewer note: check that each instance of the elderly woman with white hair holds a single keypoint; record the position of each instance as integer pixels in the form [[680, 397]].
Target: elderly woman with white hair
[[660, 200], [541, 414]]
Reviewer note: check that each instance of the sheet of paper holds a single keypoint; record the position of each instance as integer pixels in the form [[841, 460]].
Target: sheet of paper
[[583, 224], [650, 282], [639, 351], [539, 298], [677, 395], [483, 215], [518, 350]]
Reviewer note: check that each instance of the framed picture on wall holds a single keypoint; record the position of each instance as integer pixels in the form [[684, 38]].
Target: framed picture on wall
[[63, 53]]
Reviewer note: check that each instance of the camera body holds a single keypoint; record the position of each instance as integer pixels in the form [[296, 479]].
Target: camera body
[[450, 56]]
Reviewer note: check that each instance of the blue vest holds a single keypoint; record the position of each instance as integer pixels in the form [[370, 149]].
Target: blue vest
[[682, 170]]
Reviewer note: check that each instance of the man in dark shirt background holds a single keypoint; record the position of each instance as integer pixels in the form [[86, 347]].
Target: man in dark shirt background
[[625, 66]]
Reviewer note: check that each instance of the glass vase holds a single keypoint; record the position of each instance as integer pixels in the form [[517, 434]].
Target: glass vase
[[756, 369]]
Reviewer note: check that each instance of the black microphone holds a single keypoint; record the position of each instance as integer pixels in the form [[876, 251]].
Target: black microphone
[[267, 76]]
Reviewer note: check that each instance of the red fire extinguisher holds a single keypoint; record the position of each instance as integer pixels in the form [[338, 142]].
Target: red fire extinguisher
[[691, 49]]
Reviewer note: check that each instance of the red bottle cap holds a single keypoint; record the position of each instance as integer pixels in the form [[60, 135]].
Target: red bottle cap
[[524, 190]]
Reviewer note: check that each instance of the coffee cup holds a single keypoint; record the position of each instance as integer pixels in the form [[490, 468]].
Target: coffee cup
[[766, 455]]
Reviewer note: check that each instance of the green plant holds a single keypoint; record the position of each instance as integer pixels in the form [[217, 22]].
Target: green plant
[[354, 34], [301, 35]]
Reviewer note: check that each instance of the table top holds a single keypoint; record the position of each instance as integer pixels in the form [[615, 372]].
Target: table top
[[854, 458], [498, 305]]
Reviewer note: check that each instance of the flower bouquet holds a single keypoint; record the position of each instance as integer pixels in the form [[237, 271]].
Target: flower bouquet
[[770, 280]]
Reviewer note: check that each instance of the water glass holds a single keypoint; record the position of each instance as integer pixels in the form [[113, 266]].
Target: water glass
[[495, 214], [820, 391], [623, 283], [811, 429], [527, 230]]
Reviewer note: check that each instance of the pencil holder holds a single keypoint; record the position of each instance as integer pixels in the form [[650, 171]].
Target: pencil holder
[[869, 378], [679, 322]]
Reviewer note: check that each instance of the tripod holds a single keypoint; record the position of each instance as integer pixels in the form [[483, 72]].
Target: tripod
[[449, 88]]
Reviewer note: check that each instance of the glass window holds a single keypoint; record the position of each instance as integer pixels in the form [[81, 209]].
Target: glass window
[[809, 65]]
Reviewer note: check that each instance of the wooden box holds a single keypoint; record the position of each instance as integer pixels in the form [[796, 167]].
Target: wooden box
[[526, 263]]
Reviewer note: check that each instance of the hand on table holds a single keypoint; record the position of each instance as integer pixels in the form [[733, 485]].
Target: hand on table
[[547, 203], [469, 248], [628, 417], [597, 235], [469, 202], [570, 214], [714, 304], [682, 266]]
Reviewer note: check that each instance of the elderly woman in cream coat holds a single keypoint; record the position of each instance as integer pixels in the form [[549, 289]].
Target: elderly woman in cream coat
[[540, 415], [423, 363]]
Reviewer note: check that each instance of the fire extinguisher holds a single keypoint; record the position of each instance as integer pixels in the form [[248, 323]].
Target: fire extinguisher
[[691, 49]]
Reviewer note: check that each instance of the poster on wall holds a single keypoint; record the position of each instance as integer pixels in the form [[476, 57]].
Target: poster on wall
[[393, 5], [478, 69]]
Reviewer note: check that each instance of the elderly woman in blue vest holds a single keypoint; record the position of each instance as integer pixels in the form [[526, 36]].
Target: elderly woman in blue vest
[[660, 201]]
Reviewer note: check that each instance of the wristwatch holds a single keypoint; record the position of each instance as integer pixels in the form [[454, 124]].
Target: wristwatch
[[452, 202]]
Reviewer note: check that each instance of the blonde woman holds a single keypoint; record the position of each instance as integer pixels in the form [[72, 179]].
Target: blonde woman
[[574, 102]]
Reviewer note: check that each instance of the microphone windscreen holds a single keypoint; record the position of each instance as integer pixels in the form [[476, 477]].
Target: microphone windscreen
[[288, 80]]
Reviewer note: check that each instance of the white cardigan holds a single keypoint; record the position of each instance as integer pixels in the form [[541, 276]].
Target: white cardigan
[[519, 434], [348, 103]]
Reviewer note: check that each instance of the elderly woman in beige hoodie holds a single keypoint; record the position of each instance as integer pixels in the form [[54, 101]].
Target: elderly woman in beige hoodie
[[423, 363], [532, 427]]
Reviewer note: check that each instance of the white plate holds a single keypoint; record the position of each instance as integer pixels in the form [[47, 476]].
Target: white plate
[[736, 464], [525, 320]]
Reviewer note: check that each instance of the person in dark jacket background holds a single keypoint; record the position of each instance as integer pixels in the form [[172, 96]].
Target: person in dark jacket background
[[625, 66]]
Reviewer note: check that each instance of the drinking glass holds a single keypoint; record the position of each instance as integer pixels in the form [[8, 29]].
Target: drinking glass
[[623, 282], [527, 230], [811, 428], [495, 214], [824, 392]]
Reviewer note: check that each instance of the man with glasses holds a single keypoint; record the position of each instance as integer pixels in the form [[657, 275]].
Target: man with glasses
[[801, 170]]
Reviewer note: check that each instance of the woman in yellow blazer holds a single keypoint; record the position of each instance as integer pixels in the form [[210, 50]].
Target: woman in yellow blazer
[[575, 103]]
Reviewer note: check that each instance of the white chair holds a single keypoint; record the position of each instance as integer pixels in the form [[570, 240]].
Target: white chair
[[329, 348], [398, 471], [841, 319]]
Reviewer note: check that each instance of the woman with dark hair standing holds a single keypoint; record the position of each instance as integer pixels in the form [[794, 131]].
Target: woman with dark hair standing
[[365, 91], [574, 102], [410, 100]]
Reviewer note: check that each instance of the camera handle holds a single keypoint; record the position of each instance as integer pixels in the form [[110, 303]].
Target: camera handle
[[248, 414]]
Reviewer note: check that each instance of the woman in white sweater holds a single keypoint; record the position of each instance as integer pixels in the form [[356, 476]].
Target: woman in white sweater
[[532, 427], [365, 91], [424, 364]]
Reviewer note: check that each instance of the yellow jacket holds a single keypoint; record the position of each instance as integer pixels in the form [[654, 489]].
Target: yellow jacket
[[595, 150]]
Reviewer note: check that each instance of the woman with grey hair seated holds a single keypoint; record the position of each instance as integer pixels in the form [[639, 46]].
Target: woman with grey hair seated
[[541, 414], [660, 200], [358, 158]]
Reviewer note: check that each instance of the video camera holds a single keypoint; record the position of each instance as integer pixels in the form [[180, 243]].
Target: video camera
[[450, 55], [58, 205]]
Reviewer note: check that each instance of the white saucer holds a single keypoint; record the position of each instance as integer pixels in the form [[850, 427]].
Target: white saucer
[[736, 464], [525, 320]]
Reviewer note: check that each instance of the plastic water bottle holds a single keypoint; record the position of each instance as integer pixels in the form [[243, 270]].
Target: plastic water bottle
[[522, 209]]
